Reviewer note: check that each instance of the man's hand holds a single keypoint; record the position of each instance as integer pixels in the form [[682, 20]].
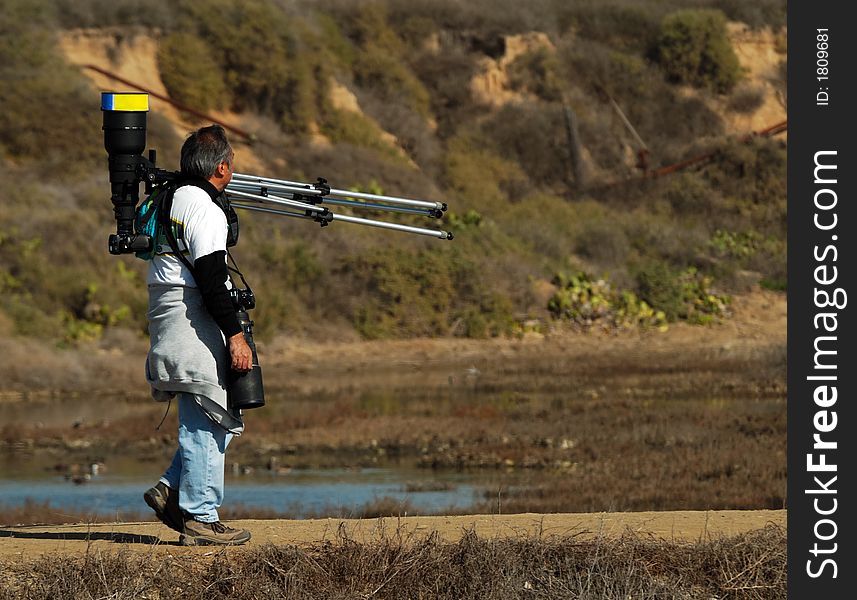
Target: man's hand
[[242, 356]]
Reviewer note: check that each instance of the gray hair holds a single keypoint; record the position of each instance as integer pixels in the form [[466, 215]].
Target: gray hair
[[203, 150]]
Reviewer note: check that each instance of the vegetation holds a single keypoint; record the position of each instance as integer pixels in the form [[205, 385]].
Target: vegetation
[[681, 420], [519, 216], [693, 48], [749, 566], [190, 73]]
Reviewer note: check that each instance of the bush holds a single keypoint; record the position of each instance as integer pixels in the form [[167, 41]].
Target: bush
[[587, 302], [752, 178], [402, 293], [412, 131], [39, 87], [355, 129], [484, 180], [378, 70], [689, 195], [190, 73], [658, 285], [603, 241], [683, 295], [532, 135], [746, 99], [537, 72], [756, 14], [693, 48], [661, 115], [255, 51], [631, 25], [155, 14], [446, 75]]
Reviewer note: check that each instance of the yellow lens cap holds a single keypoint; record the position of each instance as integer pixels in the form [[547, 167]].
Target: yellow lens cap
[[125, 101]]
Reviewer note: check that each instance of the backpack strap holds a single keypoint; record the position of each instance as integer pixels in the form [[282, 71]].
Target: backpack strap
[[166, 223], [221, 201]]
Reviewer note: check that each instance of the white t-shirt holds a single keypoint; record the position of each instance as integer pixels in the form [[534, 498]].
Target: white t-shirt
[[202, 229]]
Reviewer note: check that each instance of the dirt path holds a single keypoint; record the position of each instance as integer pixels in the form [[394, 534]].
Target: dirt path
[[26, 543]]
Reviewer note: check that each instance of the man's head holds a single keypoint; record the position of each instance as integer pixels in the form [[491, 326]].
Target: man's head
[[207, 154]]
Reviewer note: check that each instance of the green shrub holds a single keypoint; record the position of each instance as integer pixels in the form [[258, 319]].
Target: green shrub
[[689, 195], [626, 25], [658, 285], [190, 73], [693, 48], [39, 87], [587, 302], [756, 14], [532, 135], [701, 305], [413, 132], [484, 180], [254, 51], [382, 72], [334, 41], [777, 283], [682, 295], [153, 14], [746, 99], [537, 72], [736, 244], [355, 129], [603, 241], [446, 75], [407, 293]]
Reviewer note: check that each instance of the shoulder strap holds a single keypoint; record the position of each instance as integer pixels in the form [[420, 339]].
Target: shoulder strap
[[166, 222]]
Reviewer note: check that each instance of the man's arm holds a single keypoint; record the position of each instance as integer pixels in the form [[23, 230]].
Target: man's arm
[[211, 275]]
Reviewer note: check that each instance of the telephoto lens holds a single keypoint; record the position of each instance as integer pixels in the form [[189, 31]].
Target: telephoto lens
[[245, 390]]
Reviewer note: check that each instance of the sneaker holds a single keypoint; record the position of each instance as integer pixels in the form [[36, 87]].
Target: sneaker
[[197, 533], [165, 502]]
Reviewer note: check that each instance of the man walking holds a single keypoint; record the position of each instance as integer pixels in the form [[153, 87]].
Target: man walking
[[195, 340]]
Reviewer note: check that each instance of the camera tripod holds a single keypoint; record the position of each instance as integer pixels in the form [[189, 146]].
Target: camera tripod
[[124, 129], [304, 200]]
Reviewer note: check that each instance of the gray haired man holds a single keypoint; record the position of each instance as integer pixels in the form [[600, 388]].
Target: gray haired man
[[195, 340]]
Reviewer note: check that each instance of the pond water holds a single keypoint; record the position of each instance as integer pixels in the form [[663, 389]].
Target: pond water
[[300, 493]]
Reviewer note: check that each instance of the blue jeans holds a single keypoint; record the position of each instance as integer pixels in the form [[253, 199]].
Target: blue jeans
[[197, 467]]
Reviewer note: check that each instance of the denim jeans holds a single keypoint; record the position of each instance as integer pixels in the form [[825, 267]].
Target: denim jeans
[[197, 467]]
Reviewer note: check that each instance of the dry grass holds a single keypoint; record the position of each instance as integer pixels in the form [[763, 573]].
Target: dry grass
[[747, 566]]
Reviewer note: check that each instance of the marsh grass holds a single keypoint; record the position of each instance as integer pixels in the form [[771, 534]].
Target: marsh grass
[[577, 429], [396, 565]]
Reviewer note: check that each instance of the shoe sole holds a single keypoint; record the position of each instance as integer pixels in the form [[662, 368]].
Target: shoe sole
[[159, 504], [201, 540]]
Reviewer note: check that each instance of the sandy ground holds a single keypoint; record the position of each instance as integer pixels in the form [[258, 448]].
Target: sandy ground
[[25, 543]]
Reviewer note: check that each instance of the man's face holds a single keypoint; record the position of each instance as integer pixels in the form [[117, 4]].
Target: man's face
[[229, 166]]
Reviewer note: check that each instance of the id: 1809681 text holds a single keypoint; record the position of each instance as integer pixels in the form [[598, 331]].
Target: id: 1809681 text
[[822, 66]]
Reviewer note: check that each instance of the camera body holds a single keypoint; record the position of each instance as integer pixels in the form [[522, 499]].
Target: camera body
[[242, 299], [246, 390]]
